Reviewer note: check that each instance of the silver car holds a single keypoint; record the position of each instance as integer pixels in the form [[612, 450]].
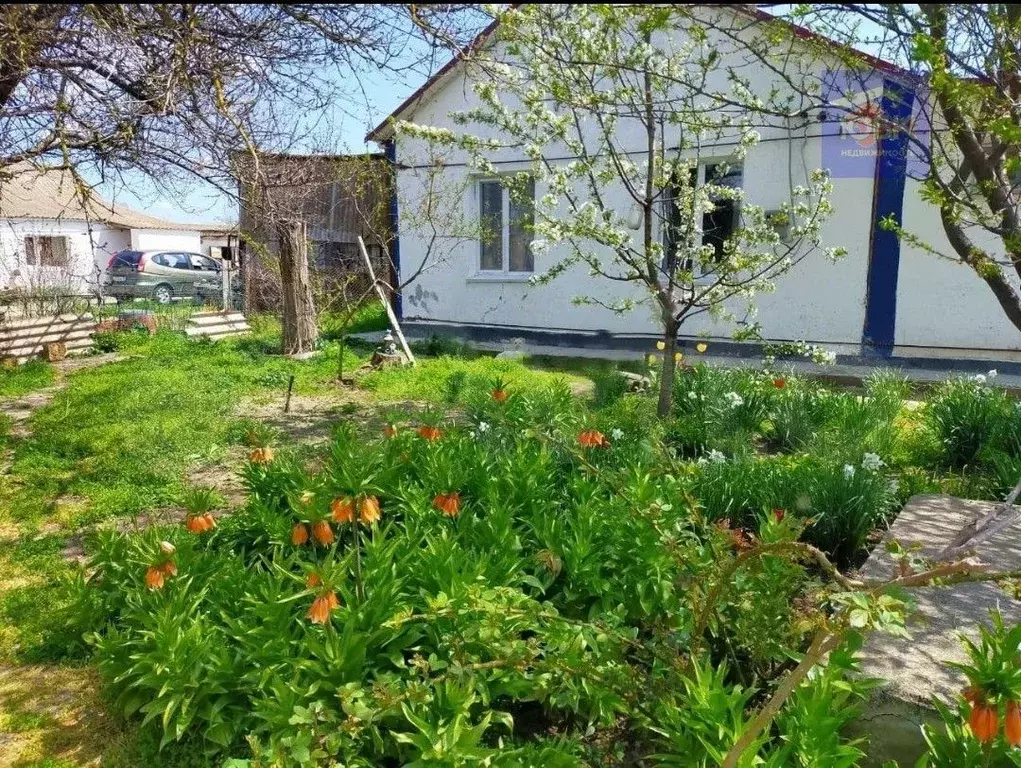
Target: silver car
[[163, 276]]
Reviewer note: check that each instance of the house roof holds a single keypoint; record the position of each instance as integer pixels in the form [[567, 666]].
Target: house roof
[[33, 194], [384, 130]]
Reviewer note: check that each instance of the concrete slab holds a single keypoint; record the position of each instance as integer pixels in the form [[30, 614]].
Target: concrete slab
[[916, 670]]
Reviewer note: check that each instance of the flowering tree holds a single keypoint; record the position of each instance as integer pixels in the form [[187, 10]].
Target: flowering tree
[[636, 128]]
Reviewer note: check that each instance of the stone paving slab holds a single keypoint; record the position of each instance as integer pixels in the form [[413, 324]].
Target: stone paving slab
[[916, 669]]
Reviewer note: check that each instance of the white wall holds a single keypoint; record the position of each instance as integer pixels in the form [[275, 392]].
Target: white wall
[[166, 240], [942, 303], [87, 256]]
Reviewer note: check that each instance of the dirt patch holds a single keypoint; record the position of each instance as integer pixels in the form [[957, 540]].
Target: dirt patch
[[55, 713], [224, 476]]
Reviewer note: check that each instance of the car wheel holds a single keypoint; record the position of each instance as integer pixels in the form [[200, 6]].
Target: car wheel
[[163, 294]]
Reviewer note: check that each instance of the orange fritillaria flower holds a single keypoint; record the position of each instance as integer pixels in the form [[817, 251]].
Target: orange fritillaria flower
[[154, 577], [779, 383], [169, 568], [984, 722], [448, 503], [1012, 724], [779, 514], [971, 694], [322, 533], [313, 580], [299, 534], [368, 510], [499, 395], [261, 455], [195, 524], [429, 433], [389, 430], [592, 438], [319, 613], [210, 521], [343, 510]]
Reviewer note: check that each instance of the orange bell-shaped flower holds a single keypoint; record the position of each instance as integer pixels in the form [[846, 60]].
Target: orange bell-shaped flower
[[1012, 724], [322, 533], [342, 510], [154, 577], [984, 722], [592, 438], [319, 613], [299, 534], [368, 510], [448, 503], [389, 430], [429, 433], [313, 580], [499, 395]]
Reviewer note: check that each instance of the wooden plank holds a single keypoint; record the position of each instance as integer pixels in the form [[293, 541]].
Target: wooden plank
[[211, 330], [29, 333], [35, 321], [233, 317], [31, 341], [386, 304], [29, 352]]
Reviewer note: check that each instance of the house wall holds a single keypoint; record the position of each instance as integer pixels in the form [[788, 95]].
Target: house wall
[[87, 254], [943, 303], [942, 309], [166, 240]]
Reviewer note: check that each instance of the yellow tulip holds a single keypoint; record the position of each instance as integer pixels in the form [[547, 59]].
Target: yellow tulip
[[701, 346], [660, 345]]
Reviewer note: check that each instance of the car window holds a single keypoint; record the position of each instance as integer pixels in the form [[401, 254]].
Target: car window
[[203, 263], [172, 260], [125, 259]]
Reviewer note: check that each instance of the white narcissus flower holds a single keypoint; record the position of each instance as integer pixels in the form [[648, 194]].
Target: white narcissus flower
[[848, 471], [979, 378], [718, 456], [483, 426], [734, 399], [872, 461], [993, 374], [692, 395], [617, 434]]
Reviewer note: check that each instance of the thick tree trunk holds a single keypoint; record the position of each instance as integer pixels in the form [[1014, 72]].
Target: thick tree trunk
[[666, 377], [299, 318]]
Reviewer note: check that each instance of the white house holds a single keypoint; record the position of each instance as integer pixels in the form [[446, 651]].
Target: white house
[[50, 238], [886, 298]]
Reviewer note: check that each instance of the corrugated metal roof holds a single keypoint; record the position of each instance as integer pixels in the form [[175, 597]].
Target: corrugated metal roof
[[34, 194]]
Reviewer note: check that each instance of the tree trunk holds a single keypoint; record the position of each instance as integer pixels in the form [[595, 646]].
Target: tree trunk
[[299, 318], [666, 377]]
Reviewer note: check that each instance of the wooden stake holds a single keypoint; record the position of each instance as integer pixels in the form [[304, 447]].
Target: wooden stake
[[287, 402], [386, 304]]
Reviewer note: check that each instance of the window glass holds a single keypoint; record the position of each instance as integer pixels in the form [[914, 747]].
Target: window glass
[[522, 221], [203, 263], [126, 259], [45, 251], [172, 260], [491, 211]]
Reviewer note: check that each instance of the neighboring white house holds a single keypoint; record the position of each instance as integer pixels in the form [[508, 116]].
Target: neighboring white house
[[50, 238], [885, 298]]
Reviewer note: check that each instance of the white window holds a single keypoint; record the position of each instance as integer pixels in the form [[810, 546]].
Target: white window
[[505, 228], [42, 251], [718, 225]]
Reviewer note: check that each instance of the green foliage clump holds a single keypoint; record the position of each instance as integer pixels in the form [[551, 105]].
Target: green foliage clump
[[561, 593], [22, 379], [973, 422]]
